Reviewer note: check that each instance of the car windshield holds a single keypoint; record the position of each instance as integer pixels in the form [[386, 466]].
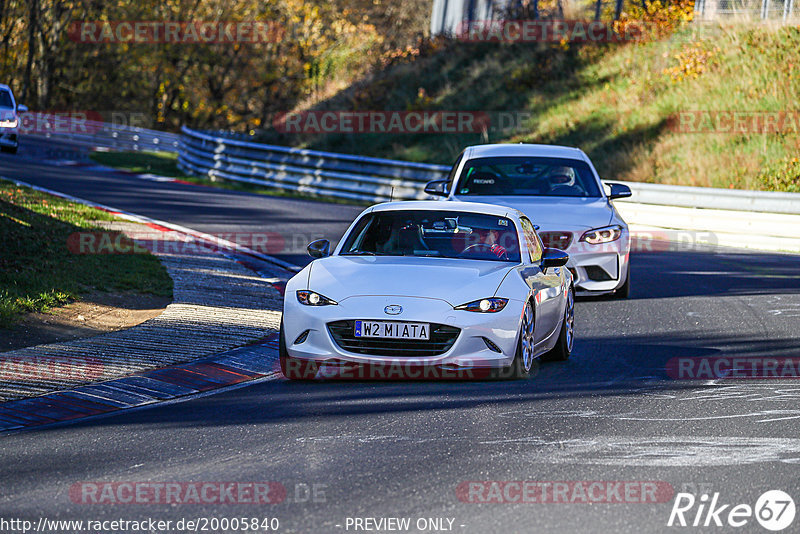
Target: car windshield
[[517, 176], [444, 234], [5, 100]]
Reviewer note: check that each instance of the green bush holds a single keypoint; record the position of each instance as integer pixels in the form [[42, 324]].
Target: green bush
[[782, 176]]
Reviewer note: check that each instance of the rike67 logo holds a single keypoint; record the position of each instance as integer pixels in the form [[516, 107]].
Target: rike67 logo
[[774, 510]]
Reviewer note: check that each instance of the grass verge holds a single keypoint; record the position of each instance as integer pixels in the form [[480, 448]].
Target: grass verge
[[37, 270]]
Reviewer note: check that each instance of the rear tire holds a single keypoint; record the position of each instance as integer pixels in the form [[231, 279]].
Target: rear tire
[[294, 368], [10, 149], [566, 338]]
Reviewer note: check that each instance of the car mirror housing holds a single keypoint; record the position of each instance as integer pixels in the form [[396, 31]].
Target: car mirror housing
[[619, 191], [552, 257], [437, 188], [22, 108], [319, 248]]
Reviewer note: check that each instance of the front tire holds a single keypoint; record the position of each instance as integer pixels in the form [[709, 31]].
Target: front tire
[[293, 368], [625, 290], [520, 368], [566, 338], [10, 149]]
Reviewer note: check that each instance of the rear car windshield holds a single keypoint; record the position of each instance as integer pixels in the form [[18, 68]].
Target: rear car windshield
[[445, 234], [517, 176]]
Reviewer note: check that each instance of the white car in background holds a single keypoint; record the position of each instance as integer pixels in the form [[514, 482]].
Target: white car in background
[[451, 285], [9, 120], [560, 191]]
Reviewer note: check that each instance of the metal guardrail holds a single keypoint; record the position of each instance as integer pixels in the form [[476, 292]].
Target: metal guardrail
[[373, 179], [102, 134], [229, 157], [307, 171], [713, 198]]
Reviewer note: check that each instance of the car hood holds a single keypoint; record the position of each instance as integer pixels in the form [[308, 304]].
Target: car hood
[[556, 213], [455, 281]]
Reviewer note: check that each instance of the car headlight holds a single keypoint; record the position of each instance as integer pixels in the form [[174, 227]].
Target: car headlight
[[492, 305], [607, 234], [310, 298], [12, 123]]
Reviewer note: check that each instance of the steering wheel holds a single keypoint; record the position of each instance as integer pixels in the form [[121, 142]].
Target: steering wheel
[[482, 248]]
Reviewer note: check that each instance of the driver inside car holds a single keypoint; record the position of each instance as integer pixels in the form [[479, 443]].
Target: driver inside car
[[561, 180], [490, 238]]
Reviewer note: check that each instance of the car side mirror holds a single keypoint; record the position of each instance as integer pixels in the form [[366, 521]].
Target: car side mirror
[[619, 191], [319, 248], [437, 188], [552, 257], [21, 108]]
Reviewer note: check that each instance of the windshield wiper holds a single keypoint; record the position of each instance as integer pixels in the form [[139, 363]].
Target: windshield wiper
[[359, 253]]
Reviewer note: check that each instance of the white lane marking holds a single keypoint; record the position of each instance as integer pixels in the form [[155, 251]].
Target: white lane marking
[[623, 451], [636, 416]]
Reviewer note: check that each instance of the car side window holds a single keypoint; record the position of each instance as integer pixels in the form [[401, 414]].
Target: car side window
[[534, 245]]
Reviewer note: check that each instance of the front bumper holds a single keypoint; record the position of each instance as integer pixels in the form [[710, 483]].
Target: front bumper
[[468, 351], [599, 269]]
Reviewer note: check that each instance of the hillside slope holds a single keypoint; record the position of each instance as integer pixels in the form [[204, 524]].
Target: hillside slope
[[618, 102]]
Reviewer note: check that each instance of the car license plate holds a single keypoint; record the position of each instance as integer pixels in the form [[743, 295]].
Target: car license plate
[[392, 330]]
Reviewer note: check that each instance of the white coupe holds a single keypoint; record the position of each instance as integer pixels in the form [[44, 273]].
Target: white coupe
[[561, 192], [444, 285]]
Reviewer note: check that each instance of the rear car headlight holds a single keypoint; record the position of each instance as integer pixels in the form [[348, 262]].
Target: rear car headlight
[[492, 305], [606, 234], [310, 298]]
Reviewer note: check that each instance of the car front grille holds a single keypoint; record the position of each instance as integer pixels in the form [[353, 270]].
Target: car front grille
[[559, 240], [441, 339]]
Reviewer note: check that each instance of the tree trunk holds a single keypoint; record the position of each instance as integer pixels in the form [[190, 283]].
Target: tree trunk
[[33, 13]]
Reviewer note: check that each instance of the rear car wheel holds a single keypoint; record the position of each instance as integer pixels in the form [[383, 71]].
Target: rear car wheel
[[293, 368], [566, 338], [10, 149]]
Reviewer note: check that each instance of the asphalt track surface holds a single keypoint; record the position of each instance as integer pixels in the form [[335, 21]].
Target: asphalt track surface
[[401, 449]]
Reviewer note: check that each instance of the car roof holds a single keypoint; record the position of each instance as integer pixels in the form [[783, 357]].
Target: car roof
[[4, 86], [524, 149], [448, 205]]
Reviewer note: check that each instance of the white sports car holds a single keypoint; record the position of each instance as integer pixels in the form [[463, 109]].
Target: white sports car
[[561, 192], [429, 285]]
